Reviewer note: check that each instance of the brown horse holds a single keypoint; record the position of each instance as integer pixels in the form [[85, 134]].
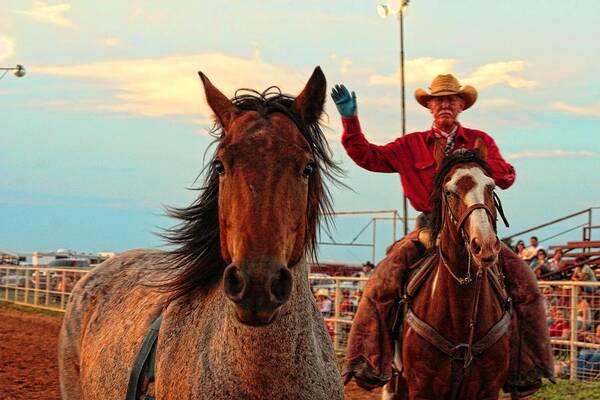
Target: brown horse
[[259, 334], [455, 341]]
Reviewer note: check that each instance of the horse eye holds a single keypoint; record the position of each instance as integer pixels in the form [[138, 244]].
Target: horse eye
[[450, 193], [308, 170], [219, 167]]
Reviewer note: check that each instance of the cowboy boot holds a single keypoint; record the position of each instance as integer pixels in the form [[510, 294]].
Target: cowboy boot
[[530, 350], [371, 343]]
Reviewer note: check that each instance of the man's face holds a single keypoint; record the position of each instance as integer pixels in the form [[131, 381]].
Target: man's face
[[445, 110], [534, 242]]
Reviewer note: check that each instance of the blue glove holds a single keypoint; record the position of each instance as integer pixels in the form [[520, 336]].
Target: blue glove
[[345, 103]]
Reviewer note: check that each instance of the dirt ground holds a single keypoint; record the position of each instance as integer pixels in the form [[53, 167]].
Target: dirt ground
[[28, 357]]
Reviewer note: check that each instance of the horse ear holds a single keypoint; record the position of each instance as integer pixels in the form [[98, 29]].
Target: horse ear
[[309, 103], [223, 108], [481, 148]]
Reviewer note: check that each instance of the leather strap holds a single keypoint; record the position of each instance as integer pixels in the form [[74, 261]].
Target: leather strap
[[468, 212], [434, 338], [144, 354], [416, 279]]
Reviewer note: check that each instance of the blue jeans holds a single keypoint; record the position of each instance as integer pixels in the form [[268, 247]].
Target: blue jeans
[[588, 363]]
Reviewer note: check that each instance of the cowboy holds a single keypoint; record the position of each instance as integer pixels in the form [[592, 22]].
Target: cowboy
[[370, 348]]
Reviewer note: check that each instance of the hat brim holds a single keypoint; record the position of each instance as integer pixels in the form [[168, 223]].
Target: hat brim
[[468, 93]]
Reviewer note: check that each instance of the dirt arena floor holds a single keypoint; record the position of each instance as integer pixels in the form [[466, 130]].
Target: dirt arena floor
[[28, 357]]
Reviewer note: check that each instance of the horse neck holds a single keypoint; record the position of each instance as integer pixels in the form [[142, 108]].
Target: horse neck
[[457, 308]]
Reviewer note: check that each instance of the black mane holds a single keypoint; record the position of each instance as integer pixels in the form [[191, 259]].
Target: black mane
[[196, 263], [461, 156]]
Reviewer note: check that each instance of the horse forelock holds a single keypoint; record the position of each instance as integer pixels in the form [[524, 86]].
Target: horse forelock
[[462, 157], [196, 263]]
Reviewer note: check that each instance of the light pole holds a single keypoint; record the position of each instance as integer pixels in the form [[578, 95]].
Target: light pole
[[396, 7], [19, 71]]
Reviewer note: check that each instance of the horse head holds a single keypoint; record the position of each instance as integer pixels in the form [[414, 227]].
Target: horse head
[[466, 206], [263, 197]]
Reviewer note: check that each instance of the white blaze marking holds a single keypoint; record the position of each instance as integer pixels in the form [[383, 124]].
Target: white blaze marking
[[479, 219]]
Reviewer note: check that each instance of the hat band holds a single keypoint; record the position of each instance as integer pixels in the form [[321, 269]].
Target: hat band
[[442, 92]]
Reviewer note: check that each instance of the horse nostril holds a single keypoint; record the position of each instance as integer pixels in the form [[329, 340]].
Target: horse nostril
[[475, 246], [281, 286], [234, 283]]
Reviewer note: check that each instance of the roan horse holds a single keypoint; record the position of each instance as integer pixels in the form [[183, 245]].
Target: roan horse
[[259, 334], [455, 342]]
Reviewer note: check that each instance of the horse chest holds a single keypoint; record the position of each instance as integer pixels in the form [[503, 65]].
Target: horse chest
[[222, 359]]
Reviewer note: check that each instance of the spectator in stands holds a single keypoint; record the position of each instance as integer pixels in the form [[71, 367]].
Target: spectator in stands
[[588, 360], [584, 312], [347, 307], [324, 302], [367, 271], [550, 302], [539, 264], [559, 328], [520, 248], [530, 252], [583, 272], [556, 263]]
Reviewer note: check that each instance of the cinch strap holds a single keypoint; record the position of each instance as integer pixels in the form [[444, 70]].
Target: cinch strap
[[143, 356]]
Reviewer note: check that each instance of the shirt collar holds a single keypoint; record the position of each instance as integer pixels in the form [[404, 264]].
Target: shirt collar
[[460, 133]]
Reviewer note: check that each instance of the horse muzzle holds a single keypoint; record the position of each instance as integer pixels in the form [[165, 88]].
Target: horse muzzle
[[258, 291], [485, 251]]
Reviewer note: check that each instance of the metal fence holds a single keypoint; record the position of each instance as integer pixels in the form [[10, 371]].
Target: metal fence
[[47, 288], [572, 310], [572, 313]]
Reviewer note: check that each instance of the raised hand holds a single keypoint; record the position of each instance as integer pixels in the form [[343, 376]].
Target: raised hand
[[344, 101]]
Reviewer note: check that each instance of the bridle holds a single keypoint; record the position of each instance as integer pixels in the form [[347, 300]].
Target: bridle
[[460, 231]]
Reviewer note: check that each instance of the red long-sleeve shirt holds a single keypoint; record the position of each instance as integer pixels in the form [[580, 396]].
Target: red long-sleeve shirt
[[412, 157]]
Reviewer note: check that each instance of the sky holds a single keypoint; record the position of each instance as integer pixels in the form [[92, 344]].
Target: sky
[[110, 123]]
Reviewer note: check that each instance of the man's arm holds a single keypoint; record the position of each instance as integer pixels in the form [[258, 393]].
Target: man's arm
[[502, 172], [366, 155]]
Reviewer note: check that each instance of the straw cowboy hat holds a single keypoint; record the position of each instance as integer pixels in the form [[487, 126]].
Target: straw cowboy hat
[[447, 85], [323, 292]]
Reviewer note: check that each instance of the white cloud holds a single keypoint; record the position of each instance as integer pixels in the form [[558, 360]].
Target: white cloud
[[111, 43], [418, 70], [7, 47], [50, 14], [499, 73], [499, 102], [422, 70], [558, 153], [170, 86], [592, 110], [343, 62]]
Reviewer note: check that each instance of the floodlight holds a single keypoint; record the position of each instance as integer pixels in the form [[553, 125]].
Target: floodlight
[[383, 10], [20, 71]]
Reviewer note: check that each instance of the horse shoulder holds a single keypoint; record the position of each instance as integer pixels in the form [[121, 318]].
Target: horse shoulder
[[107, 318]]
